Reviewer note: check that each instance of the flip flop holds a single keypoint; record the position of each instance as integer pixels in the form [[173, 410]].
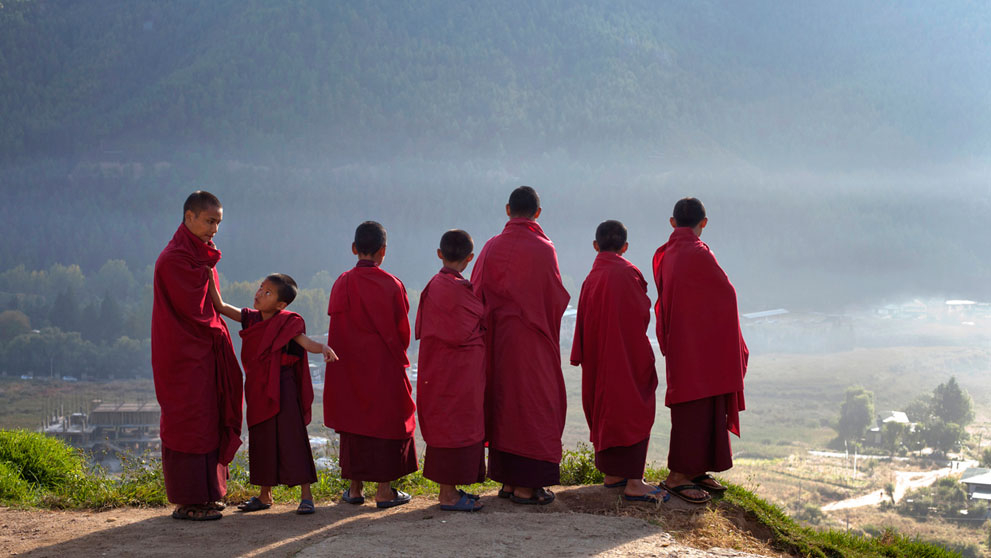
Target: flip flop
[[548, 497], [465, 503], [648, 497], [679, 490], [253, 505], [348, 499], [468, 494], [196, 513], [711, 488], [618, 484], [400, 499], [503, 493], [306, 507], [218, 506]]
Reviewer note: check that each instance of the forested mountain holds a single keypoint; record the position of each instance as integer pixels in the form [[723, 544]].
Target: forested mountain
[[842, 148]]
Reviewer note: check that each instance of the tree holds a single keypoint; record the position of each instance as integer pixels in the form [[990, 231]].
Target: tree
[[952, 404], [65, 311], [111, 318], [856, 414], [986, 458], [943, 436], [12, 324]]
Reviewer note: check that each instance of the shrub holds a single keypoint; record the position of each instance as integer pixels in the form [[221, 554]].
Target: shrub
[[41, 460], [13, 489], [578, 466]]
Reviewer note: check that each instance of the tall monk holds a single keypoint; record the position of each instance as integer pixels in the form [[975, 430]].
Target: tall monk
[[698, 329], [367, 396], [450, 391], [516, 275], [197, 379], [618, 375]]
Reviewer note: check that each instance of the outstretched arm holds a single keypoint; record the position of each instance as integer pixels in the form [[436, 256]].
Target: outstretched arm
[[232, 312], [314, 347]]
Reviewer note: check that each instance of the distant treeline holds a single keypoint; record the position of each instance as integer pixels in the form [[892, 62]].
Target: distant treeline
[[59, 322]]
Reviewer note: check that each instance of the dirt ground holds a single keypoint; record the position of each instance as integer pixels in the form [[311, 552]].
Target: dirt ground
[[583, 521]]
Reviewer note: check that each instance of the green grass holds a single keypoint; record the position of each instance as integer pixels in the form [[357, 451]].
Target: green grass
[[38, 471]]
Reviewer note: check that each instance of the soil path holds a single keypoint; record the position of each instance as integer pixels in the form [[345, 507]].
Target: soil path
[[563, 529], [904, 481]]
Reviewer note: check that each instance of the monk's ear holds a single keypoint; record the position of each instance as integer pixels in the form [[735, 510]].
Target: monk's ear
[[188, 216], [626, 246], [595, 244], [674, 224], [381, 252], [537, 214], [508, 214], [468, 259], [280, 306], [703, 223], [354, 249], [440, 254]]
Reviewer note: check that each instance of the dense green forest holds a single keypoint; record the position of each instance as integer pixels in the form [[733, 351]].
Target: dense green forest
[[842, 149]]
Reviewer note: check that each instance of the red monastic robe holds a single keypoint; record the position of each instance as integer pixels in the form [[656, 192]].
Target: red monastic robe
[[618, 375], [450, 390], [367, 392], [698, 325], [197, 379], [516, 275], [261, 355]]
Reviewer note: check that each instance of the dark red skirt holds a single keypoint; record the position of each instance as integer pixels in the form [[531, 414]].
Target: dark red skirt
[[455, 465], [623, 461], [699, 439], [279, 448], [193, 478], [516, 470], [365, 458]]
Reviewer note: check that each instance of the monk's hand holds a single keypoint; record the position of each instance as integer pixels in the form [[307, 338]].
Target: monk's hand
[[328, 354]]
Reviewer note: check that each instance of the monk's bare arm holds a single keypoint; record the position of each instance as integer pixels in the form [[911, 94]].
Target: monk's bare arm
[[232, 312], [314, 347]]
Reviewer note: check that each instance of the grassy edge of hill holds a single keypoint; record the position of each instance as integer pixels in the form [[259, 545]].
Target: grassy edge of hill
[[37, 471]]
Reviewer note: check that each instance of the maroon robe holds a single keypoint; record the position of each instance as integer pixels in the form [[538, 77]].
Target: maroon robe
[[367, 393], [279, 394], [698, 326], [611, 345], [516, 275], [450, 392], [197, 379]]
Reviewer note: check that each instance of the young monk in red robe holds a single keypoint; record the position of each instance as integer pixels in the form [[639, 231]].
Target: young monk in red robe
[[517, 277], [451, 376], [197, 379], [277, 389], [698, 329], [618, 374], [368, 398]]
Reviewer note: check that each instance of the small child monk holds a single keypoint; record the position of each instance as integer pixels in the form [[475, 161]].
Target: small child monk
[[278, 390], [618, 374], [450, 392], [368, 399]]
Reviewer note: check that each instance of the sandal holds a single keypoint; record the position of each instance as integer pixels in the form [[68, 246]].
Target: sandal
[[468, 494], [541, 497], [618, 484], [649, 497], [503, 493], [679, 492], [399, 499], [196, 513], [709, 483], [306, 507], [348, 499], [465, 503], [253, 505]]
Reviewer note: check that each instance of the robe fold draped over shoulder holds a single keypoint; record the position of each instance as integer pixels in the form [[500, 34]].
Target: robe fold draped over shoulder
[[517, 277], [611, 345], [197, 378], [450, 390], [262, 346], [366, 391], [698, 325]]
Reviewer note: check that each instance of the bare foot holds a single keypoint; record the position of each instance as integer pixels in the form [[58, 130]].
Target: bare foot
[[611, 480], [356, 490]]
